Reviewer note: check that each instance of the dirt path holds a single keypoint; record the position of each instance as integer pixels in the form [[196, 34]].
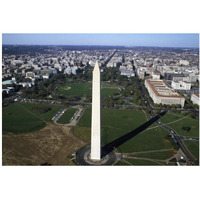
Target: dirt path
[[150, 151], [148, 159], [177, 120], [50, 145]]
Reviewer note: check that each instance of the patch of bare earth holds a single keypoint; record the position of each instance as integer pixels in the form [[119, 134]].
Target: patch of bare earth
[[67, 88], [51, 145]]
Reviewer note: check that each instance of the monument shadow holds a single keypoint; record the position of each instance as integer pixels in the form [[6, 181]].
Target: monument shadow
[[106, 149]]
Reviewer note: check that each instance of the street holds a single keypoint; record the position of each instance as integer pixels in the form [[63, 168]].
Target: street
[[175, 136]]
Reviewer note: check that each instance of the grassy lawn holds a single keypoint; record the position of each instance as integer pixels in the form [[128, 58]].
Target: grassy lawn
[[24, 117], [67, 116], [170, 117], [47, 116], [141, 162], [177, 126], [153, 139], [76, 89], [157, 155], [192, 123], [85, 119], [85, 89], [83, 132], [18, 120], [193, 147], [116, 123], [105, 85], [122, 119]]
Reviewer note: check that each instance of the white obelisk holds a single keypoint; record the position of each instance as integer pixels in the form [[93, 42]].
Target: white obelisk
[[96, 114]]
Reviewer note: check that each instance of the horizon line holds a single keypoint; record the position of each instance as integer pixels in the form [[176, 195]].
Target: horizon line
[[98, 45]]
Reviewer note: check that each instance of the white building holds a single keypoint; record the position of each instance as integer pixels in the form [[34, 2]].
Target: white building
[[181, 78], [74, 69], [16, 62], [181, 85], [122, 68], [9, 90], [195, 98], [193, 77], [8, 82], [161, 94], [128, 73], [26, 84], [57, 65], [35, 66], [155, 75], [30, 74], [184, 62], [68, 70], [46, 76], [141, 73]]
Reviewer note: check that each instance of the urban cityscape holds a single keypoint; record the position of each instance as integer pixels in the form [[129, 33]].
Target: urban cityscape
[[149, 104]]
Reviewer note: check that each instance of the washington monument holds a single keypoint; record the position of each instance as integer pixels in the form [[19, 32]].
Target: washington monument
[[93, 154], [96, 114]]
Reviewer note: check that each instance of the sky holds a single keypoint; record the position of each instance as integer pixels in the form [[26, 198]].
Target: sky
[[128, 39]]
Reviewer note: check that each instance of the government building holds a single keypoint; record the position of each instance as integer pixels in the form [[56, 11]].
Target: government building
[[162, 94], [195, 98]]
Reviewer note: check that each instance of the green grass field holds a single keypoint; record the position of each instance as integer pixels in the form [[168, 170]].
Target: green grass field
[[67, 116], [154, 139], [85, 89], [23, 118], [177, 126], [193, 147], [107, 86], [170, 117], [116, 123], [157, 155], [47, 116], [141, 162]]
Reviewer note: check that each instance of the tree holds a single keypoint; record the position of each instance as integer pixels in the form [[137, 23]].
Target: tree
[[193, 115], [186, 128], [4, 94]]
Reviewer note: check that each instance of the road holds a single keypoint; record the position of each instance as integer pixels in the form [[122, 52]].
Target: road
[[175, 136], [58, 115], [109, 58], [75, 118]]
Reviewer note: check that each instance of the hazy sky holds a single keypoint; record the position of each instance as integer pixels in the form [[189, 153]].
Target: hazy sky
[[159, 40]]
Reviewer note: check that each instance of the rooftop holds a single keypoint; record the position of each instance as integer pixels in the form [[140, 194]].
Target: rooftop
[[196, 94], [162, 90]]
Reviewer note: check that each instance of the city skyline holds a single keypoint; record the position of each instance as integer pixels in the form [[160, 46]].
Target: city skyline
[[110, 39]]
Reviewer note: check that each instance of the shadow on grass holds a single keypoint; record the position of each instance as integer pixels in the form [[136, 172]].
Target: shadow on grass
[[119, 141]]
